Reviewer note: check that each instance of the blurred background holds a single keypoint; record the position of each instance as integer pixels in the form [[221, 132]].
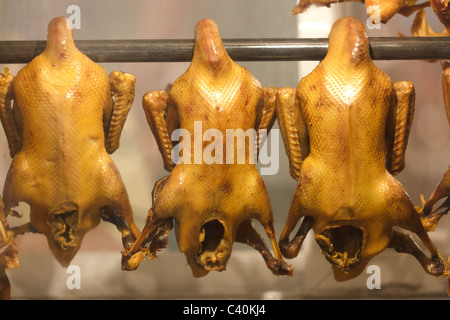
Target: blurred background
[[140, 164]]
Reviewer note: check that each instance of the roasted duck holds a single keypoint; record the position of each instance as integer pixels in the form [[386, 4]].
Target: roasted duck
[[212, 203], [421, 28], [66, 117], [430, 215], [386, 8], [345, 129], [443, 188]]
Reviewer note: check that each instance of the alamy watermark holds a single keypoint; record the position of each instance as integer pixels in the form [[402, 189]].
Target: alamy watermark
[[75, 18], [240, 146], [74, 280], [374, 280]]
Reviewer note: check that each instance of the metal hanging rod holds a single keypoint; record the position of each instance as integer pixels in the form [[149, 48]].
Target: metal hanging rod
[[180, 50]]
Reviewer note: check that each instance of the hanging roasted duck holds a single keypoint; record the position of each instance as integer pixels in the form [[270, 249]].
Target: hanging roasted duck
[[345, 130], [421, 28], [430, 215], [66, 116], [386, 9], [214, 200]]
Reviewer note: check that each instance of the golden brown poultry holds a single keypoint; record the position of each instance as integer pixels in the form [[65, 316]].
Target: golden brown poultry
[[431, 216], [443, 188], [386, 8], [66, 117], [212, 202], [421, 28], [345, 129]]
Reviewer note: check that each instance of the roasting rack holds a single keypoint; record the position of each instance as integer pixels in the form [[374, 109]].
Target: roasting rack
[[181, 50]]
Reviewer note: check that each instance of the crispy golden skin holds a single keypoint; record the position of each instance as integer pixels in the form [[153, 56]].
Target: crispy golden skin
[[66, 116], [420, 28], [212, 204], [345, 129], [430, 215], [387, 8], [443, 188]]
